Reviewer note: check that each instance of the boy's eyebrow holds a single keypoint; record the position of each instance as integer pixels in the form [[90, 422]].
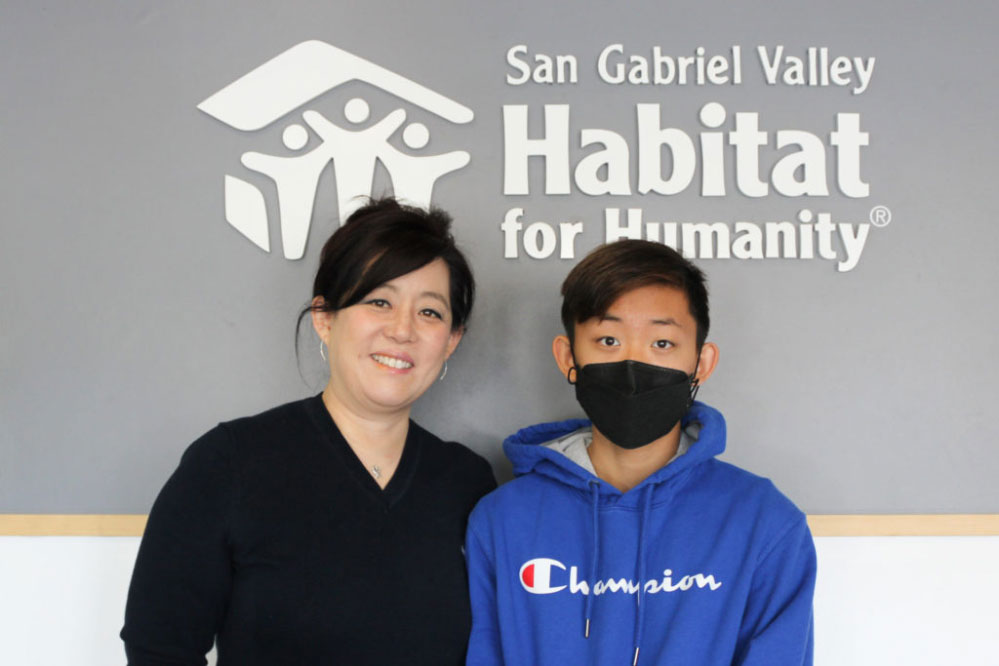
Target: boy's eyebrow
[[668, 321]]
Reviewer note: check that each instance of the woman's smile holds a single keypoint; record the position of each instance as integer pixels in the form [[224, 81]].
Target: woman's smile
[[399, 362]]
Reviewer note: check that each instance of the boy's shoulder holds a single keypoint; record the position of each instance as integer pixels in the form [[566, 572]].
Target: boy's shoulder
[[737, 499], [744, 485]]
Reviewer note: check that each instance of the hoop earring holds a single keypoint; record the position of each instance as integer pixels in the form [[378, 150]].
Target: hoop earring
[[321, 352], [443, 372]]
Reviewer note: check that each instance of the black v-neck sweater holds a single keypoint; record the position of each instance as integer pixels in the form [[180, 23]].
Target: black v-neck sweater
[[273, 540]]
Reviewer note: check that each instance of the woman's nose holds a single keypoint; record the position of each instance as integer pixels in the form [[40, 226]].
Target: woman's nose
[[400, 328]]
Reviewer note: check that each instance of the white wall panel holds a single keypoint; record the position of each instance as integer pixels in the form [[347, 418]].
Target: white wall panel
[[917, 601]]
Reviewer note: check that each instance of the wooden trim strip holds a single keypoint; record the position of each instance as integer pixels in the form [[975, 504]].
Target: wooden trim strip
[[13, 524], [97, 524], [941, 524]]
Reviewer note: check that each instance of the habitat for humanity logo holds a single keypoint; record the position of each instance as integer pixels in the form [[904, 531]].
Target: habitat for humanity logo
[[294, 79]]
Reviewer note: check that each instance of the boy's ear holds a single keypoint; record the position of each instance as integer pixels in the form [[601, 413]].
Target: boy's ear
[[562, 351], [707, 362]]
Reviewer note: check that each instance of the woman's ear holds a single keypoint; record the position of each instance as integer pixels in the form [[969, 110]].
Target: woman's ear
[[453, 341], [321, 319]]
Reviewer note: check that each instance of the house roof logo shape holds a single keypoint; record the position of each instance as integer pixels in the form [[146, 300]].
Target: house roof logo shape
[[291, 80]]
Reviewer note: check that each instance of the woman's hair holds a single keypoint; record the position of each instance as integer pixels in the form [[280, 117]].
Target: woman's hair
[[382, 241]]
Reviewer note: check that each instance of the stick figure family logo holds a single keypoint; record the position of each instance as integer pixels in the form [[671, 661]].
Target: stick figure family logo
[[295, 78]]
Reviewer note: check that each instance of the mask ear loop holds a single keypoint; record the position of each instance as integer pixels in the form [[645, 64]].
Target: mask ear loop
[[695, 384], [568, 375]]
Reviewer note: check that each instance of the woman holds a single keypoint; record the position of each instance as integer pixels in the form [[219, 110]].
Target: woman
[[329, 530]]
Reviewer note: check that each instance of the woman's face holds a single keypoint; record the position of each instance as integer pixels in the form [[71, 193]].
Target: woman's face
[[386, 350]]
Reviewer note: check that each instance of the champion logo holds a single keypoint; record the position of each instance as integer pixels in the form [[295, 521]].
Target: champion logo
[[536, 575], [312, 141], [543, 575]]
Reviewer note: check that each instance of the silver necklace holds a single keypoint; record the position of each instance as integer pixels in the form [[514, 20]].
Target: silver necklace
[[376, 471]]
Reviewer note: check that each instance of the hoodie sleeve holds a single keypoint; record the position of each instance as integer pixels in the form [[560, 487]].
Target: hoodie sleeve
[[180, 585], [484, 643], [777, 624]]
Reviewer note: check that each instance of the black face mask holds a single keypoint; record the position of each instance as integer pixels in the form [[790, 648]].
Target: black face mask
[[633, 403]]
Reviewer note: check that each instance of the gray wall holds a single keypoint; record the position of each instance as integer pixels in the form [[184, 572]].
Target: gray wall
[[133, 317]]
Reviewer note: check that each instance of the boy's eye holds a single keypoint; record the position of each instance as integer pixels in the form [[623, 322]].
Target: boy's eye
[[607, 341], [662, 344]]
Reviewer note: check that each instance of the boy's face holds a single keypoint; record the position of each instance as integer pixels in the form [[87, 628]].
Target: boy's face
[[651, 324]]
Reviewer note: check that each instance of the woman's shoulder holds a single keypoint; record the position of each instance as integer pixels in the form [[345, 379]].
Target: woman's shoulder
[[276, 420], [452, 456], [281, 414], [274, 428], [444, 448]]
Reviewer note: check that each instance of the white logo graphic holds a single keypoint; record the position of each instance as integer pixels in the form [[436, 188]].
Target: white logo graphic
[[296, 77], [536, 577]]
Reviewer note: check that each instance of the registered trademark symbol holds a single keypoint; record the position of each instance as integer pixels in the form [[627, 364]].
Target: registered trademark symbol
[[880, 216]]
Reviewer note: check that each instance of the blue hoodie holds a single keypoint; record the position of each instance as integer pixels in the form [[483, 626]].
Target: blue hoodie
[[700, 564]]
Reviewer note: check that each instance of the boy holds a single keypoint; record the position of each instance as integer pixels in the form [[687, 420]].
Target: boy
[[623, 540]]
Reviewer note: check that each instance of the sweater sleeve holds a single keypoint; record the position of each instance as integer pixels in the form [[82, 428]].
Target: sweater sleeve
[[484, 646], [182, 577], [777, 624]]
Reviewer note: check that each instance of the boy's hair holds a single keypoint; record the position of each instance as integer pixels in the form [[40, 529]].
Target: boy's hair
[[611, 270]]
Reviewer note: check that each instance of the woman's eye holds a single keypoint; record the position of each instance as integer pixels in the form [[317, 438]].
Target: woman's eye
[[662, 344], [607, 341], [430, 312], [378, 302]]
